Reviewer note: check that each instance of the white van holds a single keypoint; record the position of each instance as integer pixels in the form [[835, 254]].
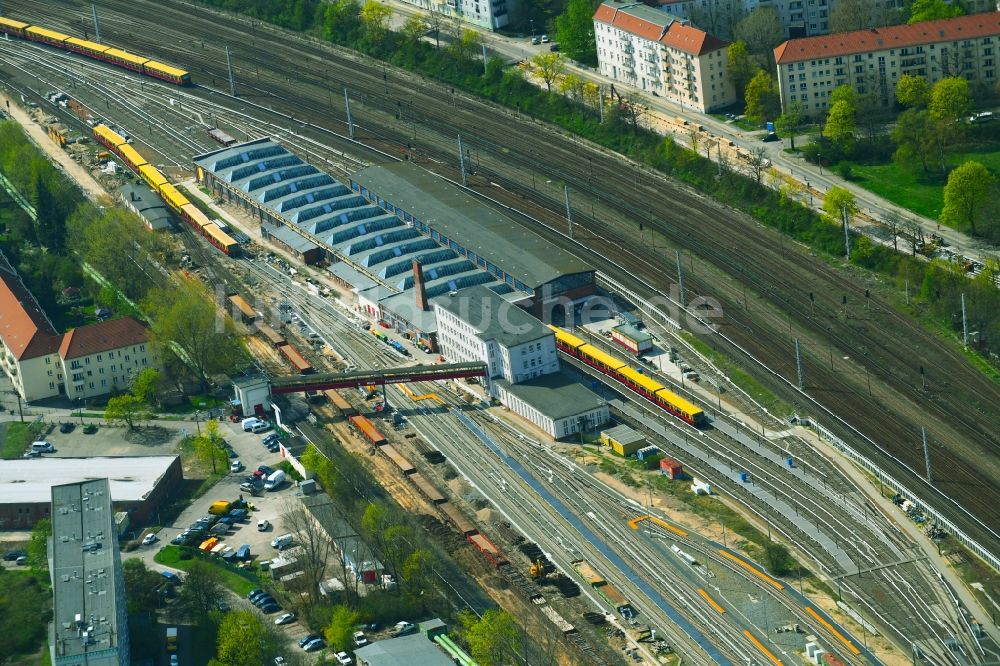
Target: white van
[[260, 426], [282, 542], [275, 480], [249, 423], [42, 447]]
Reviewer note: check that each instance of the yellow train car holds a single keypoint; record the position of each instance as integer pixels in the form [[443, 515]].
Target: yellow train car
[[640, 382], [131, 157], [566, 340], [108, 137], [220, 238], [172, 196], [36, 34], [686, 410], [193, 215], [125, 59], [152, 176], [599, 359], [87, 48], [12, 27], [166, 72]]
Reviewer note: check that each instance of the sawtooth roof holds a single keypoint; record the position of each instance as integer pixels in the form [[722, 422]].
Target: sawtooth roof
[[889, 37], [657, 26]]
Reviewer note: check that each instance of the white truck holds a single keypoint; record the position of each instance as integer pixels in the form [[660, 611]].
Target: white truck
[[275, 481]]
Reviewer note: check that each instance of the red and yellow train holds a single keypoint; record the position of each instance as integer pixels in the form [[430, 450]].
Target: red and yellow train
[[103, 52], [645, 386], [179, 203]]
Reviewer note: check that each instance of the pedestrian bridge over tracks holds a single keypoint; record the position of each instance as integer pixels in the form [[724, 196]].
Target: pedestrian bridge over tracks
[[413, 373]]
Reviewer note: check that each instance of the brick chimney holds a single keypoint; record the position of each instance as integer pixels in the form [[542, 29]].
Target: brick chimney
[[418, 285]]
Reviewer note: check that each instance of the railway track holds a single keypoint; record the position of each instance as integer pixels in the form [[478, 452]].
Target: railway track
[[968, 426]]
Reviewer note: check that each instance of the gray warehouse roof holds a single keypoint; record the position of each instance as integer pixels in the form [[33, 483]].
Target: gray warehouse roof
[[85, 572], [494, 317], [413, 650], [555, 395], [480, 229], [29, 481], [150, 206]]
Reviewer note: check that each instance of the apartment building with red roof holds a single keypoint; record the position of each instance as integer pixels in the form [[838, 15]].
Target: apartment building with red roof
[[872, 61], [86, 362], [662, 55]]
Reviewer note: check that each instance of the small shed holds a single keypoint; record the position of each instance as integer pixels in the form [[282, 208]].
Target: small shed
[[623, 440], [670, 468], [632, 338]]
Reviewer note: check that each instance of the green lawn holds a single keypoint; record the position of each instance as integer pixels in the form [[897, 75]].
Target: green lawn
[[17, 437], [241, 584], [912, 189]]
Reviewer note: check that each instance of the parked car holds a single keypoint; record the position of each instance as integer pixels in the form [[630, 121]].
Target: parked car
[[66, 427], [174, 660], [343, 658], [265, 470], [254, 592], [545, 39], [12, 555], [285, 618], [179, 539], [222, 606], [307, 638], [554, 47], [21, 560], [150, 539], [274, 446], [536, 41], [315, 644], [770, 136], [89, 429], [360, 640], [402, 628], [282, 542], [271, 437], [270, 608], [171, 577], [263, 525]]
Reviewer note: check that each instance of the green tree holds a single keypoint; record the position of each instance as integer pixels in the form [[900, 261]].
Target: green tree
[[841, 123], [340, 19], [575, 32], [848, 15], [209, 452], [243, 639], [548, 67], [838, 201], [762, 98], [375, 19], [38, 547], [791, 121], [777, 559], [185, 322], [417, 571], [913, 92], [844, 94], [146, 385], [970, 186], [761, 30], [493, 639], [199, 594], [932, 10], [414, 29], [916, 138], [338, 632], [468, 45], [140, 586], [25, 610], [741, 66], [951, 100], [128, 410], [51, 226]]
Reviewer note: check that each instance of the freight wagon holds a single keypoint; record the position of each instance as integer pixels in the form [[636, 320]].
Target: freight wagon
[[427, 489], [488, 549], [369, 431], [95, 51], [454, 516], [271, 335], [401, 463], [302, 366], [242, 308], [339, 403]]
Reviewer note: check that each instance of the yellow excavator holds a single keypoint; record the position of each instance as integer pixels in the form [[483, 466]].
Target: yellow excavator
[[537, 570]]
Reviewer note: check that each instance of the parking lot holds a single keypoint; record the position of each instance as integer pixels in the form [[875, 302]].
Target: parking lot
[[158, 439]]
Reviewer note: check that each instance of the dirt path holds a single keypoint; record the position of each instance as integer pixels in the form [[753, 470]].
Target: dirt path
[[91, 188]]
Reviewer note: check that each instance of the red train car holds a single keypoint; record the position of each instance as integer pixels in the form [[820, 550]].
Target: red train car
[[488, 549], [369, 431]]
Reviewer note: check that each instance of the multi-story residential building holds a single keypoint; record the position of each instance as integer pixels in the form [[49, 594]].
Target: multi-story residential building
[[475, 324], [662, 55], [872, 61], [88, 361], [104, 357], [89, 614], [489, 14]]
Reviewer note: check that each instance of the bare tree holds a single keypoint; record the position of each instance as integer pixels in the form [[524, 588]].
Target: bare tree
[[915, 233], [757, 160], [315, 544], [718, 17], [894, 223]]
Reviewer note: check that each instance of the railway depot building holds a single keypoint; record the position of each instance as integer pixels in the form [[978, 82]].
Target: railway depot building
[[872, 61], [89, 613], [662, 54], [396, 237], [86, 362]]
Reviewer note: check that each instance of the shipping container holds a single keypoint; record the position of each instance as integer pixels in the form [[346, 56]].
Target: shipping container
[[671, 469]]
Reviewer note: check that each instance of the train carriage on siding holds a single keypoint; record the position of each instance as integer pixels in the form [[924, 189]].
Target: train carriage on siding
[[166, 72], [45, 36], [228, 245], [152, 176], [681, 407], [193, 216], [12, 27], [108, 137], [339, 403], [87, 48], [133, 160], [567, 342], [173, 198], [123, 58], [601, 360]]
